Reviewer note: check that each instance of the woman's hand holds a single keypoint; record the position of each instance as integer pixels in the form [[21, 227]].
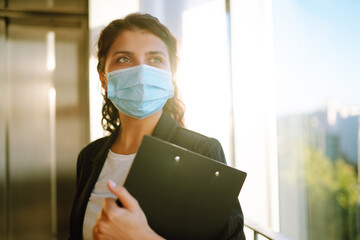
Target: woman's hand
[[125, 223]]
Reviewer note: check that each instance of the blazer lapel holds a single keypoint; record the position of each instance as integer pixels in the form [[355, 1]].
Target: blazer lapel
[[98, 161], [165, 128], [95, 166]]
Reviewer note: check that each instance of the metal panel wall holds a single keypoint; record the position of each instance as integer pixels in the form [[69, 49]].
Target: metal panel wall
[[29, 134], [3, 200], [58, 5], [44, 120], [47, 125]]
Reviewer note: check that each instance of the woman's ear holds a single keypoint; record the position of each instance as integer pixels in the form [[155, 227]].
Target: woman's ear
[[104, 81]]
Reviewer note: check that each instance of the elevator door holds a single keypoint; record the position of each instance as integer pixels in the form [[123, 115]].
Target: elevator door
[[3, 206], [45, 124]]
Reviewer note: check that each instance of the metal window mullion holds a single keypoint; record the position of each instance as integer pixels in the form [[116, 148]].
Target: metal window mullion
[[232, 122]]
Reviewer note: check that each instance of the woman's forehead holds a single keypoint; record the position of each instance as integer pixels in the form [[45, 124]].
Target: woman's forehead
[[138, 40]]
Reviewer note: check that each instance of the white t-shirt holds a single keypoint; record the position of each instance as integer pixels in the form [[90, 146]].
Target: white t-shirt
[[116, 168]]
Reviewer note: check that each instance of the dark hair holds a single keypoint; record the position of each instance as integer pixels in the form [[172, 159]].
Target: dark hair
[[174, 106]]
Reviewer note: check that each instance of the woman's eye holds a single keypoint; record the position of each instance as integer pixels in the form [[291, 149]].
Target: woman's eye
[[156, 60], [123, 60]]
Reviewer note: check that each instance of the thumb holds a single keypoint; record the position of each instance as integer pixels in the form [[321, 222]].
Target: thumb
[[128, 201]]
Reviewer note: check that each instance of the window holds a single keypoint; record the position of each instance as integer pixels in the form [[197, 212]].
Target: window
[[288, 103], [318, 111]]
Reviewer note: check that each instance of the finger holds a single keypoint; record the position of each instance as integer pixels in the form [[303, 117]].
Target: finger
[[128, 201], [103, 215], [109, 209], [101, 227], [95, 233]]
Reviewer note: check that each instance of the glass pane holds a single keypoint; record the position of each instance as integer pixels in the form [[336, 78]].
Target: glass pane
[[194, 75], [318, 58], [253, 106], [2, 132], [59, 5], [46, 107]]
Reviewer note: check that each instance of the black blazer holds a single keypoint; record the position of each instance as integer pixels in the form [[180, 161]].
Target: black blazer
[[91, 160]]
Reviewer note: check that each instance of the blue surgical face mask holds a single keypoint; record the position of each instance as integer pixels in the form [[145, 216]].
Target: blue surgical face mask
[[140, 91]]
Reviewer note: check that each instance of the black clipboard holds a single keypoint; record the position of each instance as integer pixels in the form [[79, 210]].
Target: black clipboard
[[184, 195]]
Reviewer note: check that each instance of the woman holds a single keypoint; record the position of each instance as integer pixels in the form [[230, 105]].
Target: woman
[[137, 62]]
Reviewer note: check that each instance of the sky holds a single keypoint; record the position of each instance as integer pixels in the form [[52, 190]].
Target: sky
[[317, 53]]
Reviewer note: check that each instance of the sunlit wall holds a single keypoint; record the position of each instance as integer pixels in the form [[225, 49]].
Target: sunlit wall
[[101, 13]]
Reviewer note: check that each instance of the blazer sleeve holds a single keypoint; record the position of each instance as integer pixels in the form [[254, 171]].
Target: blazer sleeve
[[79, 164], [235, 227]]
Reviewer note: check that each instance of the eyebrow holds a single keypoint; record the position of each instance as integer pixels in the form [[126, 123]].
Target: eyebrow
[[132, 53], [157, 52], [122, 52]]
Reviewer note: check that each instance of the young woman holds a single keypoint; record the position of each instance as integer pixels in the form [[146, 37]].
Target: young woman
[[137, 62]]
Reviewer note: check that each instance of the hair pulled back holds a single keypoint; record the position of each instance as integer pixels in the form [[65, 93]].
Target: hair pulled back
[[174, 106]]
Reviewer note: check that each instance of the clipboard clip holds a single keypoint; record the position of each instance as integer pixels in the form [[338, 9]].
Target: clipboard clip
[[119, 203]]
